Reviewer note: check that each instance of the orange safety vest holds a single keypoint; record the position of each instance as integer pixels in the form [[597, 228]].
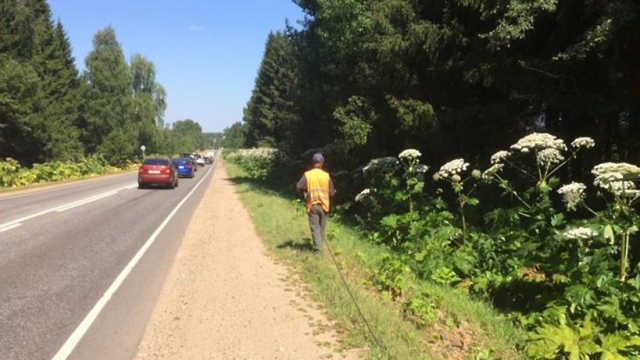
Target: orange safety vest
[[317, 188]]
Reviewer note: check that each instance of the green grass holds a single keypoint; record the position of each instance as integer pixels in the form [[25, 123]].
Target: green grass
[[464, 328]]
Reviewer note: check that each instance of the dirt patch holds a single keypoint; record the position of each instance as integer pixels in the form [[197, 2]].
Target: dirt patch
[[225, 298]]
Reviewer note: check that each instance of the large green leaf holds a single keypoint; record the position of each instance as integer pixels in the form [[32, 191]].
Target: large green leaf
[[574, 343]]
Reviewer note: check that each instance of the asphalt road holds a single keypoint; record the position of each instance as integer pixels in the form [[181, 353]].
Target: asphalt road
[[63, 248]]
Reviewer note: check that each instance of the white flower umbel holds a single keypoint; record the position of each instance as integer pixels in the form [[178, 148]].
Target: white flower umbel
[[549, 156], [573, 194], [453, 168], [539, 141], [622, 188], [410, 154], [583, 142], [605, 180], [362, 194], [628, 171], [491, 172], [498, 157], [255, 153], [385, 163], [580, 233], [616, 177]]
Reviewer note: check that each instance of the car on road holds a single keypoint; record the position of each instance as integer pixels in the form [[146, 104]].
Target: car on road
[[199, 159], [184, 166], [193, 160], [209, 156], [158, 170]]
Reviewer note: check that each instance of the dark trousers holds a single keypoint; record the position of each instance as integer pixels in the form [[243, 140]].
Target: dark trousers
[[317, 223]]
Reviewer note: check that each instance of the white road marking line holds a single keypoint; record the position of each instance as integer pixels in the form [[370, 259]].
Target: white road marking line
[[86, 201], [132, 186], [5, 228], [86, 323], [54, 209], [37, 191]]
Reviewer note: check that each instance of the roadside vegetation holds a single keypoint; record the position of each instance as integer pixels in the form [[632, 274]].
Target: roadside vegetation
[[444, 323], [12, 175], [550, 255], [485, 146]]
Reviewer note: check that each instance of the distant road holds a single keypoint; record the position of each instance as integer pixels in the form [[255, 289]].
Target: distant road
[[61, 248]]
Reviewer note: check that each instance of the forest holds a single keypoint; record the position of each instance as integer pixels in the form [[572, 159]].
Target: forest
[[51, 111], [450, 78]]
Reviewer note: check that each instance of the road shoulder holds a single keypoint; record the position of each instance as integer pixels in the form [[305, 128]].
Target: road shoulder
[[225, 298]]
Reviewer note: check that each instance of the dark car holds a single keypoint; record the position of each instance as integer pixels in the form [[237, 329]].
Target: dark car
[[157, 171], [184, 166]]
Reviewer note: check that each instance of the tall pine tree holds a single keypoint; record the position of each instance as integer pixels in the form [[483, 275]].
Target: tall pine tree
[[61, 89], [270, 113], [39, 87]]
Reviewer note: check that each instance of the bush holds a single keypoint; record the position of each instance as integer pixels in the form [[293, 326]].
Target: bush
[[512, 233], [14, 175], [259, 163]]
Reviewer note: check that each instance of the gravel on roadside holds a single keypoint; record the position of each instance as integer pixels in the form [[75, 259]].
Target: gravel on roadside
[[225, 297]]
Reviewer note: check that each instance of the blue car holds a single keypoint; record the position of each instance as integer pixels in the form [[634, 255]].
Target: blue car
[[184, 167]]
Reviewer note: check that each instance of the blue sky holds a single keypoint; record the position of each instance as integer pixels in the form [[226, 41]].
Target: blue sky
[[206, 52]]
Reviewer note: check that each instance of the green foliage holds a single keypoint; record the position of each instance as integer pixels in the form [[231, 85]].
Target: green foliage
[[564, 339], [258, 163], [107, 89], [355, 118], [39, 96], [117, 147], [187, 136], [13, 175], [422, 307], [391, 277], [565, 277], [235, 136], [445, 276]]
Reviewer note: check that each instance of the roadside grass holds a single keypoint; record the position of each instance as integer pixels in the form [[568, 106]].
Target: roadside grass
[[461, 328]]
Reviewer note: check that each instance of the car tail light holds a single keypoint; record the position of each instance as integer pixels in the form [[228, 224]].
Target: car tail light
[[188, 166], [166, 170]]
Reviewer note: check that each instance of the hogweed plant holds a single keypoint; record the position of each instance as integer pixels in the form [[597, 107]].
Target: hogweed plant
[[452, 173], [564, 273], [394, 187], [549, 153], [414, 173], [616, 179], [383, 175]]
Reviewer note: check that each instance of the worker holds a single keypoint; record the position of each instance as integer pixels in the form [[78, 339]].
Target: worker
[[317, 185]]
